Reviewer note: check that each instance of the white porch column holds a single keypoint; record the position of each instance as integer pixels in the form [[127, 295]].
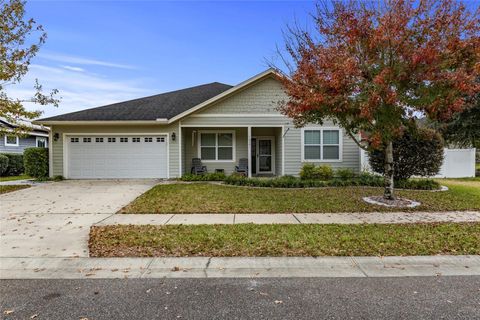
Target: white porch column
[[283, 150], [249, 143], [50, 152], [180, 159]]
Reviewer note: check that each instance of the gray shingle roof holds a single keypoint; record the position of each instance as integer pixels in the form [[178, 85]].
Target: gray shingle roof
[[166, 105]]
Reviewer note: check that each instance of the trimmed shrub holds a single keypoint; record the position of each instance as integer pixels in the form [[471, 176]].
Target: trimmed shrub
[[3, 164], [421, 184], [204, 177], [414, 154], [345, 173], [364, 179], [369, 179], [311, 172], [36, 162], [15, 164]]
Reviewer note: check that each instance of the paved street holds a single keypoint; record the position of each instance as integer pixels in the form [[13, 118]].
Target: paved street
[[285, 298]]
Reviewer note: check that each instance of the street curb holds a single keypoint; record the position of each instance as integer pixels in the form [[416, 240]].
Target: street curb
[[238, 267]]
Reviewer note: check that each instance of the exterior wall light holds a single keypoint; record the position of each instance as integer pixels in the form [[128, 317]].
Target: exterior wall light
[[174, 136]]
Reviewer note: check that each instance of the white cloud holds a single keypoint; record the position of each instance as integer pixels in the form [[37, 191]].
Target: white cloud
[[71, 68], [78, 90], [82, 61]]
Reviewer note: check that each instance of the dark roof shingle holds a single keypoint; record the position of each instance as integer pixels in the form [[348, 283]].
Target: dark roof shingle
[[166, 105]]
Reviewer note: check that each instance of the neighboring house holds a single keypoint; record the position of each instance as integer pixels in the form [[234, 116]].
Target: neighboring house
[[12, 143], [157, 136]]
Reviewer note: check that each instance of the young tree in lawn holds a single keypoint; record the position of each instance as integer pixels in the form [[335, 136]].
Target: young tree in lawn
[[16, 32], [374, 66]]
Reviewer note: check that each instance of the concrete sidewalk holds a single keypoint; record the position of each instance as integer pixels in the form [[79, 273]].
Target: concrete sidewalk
[[294, 218], [66, 235], [249, 267], [21, 182]]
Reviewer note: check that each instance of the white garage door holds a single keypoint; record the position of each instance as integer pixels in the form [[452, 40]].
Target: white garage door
[[104, 157]]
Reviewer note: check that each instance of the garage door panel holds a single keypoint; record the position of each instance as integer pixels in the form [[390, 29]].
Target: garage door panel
[[96, 159]]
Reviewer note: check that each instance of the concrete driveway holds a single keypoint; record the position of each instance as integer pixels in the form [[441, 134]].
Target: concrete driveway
[[54, 219], [75, 196]]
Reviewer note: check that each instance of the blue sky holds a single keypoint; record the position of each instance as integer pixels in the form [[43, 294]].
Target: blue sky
[[100, 52]]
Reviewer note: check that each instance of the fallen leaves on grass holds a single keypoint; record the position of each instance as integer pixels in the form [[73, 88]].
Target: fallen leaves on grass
[[284, 240]]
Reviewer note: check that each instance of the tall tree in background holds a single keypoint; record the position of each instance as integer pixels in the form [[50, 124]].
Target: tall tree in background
[[463, 129], [15, 55], [374, 66]]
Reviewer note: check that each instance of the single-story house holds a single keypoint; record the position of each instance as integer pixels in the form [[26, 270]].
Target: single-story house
[[37, 136], [158, 136]]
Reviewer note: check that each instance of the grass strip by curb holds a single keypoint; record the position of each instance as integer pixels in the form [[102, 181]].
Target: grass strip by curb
[[284, 240], [8, 188]]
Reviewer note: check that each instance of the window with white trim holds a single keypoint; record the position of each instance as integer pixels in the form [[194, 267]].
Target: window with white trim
[[74, 140], [148, 139], [112, 139], [216, 146], [41, 142], [12, 141], [321, 144], [87, 140], [123, 139], [135, 139], [99, 140]]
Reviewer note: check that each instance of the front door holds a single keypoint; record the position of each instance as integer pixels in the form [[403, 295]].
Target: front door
[[265, 154]]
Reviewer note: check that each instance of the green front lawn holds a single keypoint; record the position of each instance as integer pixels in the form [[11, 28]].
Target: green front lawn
[[13, 178], [284, 240], [210, 198], [6, 189]]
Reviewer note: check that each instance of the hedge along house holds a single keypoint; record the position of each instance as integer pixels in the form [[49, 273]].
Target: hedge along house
[[158, 136]]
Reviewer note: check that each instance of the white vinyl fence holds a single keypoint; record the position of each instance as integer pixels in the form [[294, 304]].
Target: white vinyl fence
[[457, 163]]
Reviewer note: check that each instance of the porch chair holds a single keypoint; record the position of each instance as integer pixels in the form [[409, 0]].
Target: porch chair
[[197, 167], [242, 167]]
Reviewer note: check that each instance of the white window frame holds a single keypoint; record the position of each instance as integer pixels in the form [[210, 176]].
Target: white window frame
[[321, 129], [217, 132], [17, 139], [40, 138]]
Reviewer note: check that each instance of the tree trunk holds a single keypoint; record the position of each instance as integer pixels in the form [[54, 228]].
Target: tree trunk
[[388, 174]]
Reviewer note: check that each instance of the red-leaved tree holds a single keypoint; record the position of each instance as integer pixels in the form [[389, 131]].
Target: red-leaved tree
[[375, 66]]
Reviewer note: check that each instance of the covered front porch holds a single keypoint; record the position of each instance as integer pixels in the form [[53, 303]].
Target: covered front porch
[[221, 148]]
